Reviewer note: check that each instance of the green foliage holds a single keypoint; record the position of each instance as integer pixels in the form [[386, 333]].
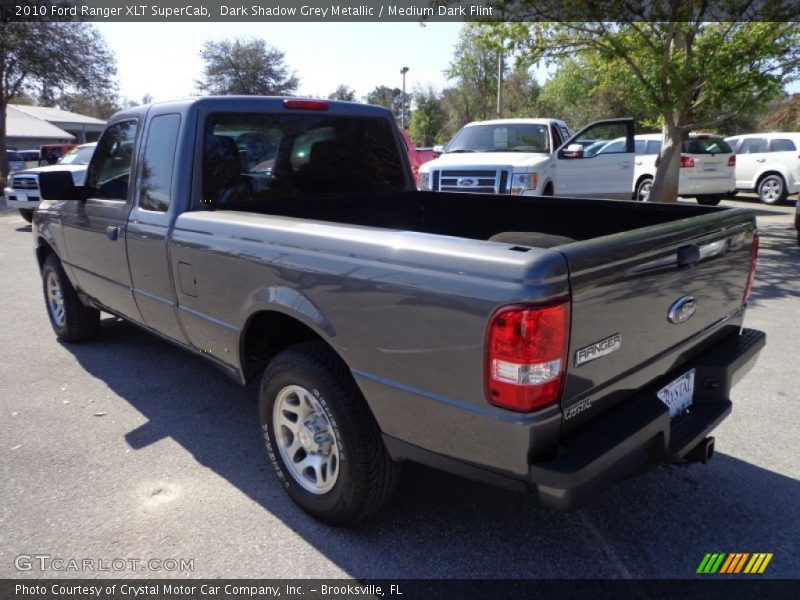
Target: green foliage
[[391, 98], [784, 115], [343, 92], [246, 67], [427, 119]]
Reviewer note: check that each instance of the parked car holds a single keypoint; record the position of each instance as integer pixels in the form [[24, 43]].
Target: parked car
[[535, 157], [767, 163], [486, 335], [15, 161], [707, 171], [22, 192]]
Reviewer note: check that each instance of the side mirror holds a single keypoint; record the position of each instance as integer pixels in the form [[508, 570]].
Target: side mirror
[[573, 151], [438, 149], [58, 185]]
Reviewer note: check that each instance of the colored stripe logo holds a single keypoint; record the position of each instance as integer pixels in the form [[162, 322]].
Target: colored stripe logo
[[733, 563]]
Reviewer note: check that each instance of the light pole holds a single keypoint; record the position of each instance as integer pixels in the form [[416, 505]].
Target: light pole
[[403, 72]]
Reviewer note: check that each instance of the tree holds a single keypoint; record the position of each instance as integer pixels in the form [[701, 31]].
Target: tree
[[343, 92], [35, 60], [427, 118], [473, 69], [692, 68], [784, 116], [245, 67], [391, 98]]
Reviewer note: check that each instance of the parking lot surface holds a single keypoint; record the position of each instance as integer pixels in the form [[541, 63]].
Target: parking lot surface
[[127, 447]]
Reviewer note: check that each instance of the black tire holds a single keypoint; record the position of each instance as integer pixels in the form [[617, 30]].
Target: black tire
[[26, 214], [709, 199], [78, 322], [366, 476], [771, 189], [643, 189]]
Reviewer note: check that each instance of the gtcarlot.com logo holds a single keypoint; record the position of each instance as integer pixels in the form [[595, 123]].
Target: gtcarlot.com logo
[[734, 563]]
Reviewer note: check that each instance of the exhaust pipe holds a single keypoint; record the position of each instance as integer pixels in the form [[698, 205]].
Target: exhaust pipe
[[703, 452]]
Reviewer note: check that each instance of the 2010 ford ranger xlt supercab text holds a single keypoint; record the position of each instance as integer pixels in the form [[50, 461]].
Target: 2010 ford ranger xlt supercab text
[[552, 345]]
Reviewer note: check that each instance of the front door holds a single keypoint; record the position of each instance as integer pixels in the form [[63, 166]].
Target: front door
[[602, 167], [94, 230]]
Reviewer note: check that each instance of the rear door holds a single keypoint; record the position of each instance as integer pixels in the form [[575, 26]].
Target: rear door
[[604, 170], [750, 160], [94, 230], [710, 155]]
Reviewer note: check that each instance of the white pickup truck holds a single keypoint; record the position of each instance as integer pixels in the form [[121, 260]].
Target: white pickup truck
[[534, 157]]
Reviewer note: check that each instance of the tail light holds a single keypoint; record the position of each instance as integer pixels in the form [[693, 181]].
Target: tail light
[[732, 160], [687, 162], [526, 355], [752, 271], [306, 104]]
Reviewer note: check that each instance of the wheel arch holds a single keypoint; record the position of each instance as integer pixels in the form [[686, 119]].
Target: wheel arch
[[43, 250]]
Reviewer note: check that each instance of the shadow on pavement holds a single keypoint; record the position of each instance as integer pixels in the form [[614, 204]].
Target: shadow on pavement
[[778, 263], [658, 525]]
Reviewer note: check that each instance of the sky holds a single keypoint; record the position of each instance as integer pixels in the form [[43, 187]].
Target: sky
[[163, 60]]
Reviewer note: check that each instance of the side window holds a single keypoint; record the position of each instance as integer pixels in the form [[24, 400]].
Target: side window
[[753, 146], [607, 138], [556, 137], [565, 134], [110, 168], [158, 162], [654, 147], [640, 146], [782, 145]]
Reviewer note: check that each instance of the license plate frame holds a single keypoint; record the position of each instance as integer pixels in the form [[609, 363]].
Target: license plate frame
[[678, 394], [21, 197], [709, 167]]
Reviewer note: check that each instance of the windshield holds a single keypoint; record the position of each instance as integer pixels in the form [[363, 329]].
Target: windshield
[[14, 157], [502, 137], [77, 156]]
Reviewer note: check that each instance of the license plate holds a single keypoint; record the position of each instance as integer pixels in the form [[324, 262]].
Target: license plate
[[21, 197], [709, 167], [678, 394]]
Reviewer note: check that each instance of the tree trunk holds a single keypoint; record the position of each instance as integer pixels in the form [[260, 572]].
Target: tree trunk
[[3, 144], [665, 185]]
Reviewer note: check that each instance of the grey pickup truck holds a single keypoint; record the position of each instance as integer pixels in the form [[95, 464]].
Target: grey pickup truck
[[551, 345]]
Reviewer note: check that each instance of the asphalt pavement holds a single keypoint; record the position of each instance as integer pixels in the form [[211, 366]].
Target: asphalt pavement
[[128, 448]]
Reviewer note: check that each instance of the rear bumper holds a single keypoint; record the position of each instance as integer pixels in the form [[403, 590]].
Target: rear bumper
[[639, 434]]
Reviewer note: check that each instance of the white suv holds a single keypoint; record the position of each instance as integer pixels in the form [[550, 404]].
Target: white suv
[[707, 167], [768, 163]]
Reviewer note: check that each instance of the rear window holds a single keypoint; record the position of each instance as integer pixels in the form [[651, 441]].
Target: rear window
[[782, 145], [706, 146], [251, 158]]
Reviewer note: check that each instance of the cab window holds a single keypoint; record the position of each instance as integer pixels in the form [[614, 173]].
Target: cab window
[[110, 169]]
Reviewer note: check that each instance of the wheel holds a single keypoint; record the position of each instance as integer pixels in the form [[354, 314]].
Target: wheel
[[643, 189], [321, 437], [71, 319], [709, 199], [771, 189], [26, 214]]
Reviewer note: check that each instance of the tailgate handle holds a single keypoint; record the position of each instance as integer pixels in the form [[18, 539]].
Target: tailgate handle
[[688, 256]]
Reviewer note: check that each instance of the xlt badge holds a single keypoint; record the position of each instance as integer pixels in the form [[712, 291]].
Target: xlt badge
[[598, 349]]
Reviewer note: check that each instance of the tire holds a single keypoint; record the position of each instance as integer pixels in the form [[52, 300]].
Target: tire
[[26, 214], [709, 199], [71, 319], [643, 189], [771, 189], [322, 419]]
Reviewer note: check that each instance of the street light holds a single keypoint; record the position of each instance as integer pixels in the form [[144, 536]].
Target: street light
[[403, 72]]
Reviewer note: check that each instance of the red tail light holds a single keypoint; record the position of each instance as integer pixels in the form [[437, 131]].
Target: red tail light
[[687, 162], [752, 271], [306, 104], [526, 355], [732, 160]]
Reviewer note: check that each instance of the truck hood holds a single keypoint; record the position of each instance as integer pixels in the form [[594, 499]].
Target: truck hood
[[78, 171], [512, 160]]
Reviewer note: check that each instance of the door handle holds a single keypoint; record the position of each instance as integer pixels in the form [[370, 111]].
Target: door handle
[[112, 232], [761, 160]]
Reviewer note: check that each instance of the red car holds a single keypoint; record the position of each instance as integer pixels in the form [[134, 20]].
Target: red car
[[416, 157]]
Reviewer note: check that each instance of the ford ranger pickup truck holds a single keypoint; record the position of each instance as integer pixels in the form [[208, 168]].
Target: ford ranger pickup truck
[[550, 345], [528, 157]]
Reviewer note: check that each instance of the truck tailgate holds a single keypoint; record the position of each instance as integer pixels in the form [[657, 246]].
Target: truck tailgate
[[624, 288]]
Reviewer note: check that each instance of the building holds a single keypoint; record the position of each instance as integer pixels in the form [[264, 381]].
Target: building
[[28, 127]]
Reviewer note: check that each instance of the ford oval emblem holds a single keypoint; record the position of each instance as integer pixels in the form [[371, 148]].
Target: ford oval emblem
[[683, 310], [466, 182]]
